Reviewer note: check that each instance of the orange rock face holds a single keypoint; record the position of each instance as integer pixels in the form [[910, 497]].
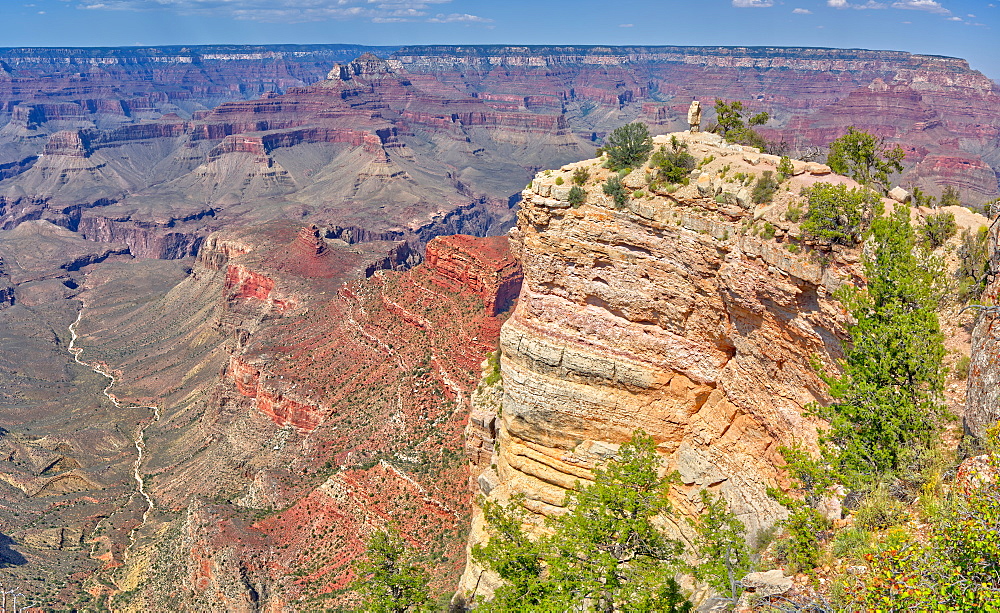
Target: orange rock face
[[661, 315]]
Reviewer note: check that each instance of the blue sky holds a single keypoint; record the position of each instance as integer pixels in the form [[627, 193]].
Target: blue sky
[[964, 29]]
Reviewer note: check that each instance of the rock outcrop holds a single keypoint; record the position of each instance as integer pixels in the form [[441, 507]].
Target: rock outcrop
[[982, 410], [676, 314]]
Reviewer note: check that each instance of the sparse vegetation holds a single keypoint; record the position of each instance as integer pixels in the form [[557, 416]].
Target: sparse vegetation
[[581, 175], [616, 189], [673, 165], [577, 196], [764, 189], [937, 229]]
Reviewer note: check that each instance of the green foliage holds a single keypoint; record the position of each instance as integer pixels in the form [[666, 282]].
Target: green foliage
[[973, 263], [577, 196], [735, 129], [605, 554], [785, 168], [721, 546], [388, 579], [794, 213], [616, 189], [879, 511], [628, 146], [962, 367], [803, 529], [492, 369], [559, 181], [672, 166], [836, 214], [888, 400], [865, 158], [764, 189], [957, 569], [851, 543], [950, 196], [938, 228], [922, 198], [581, 175], [767, 232]]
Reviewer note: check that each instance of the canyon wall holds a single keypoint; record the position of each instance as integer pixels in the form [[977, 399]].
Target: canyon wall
[[674, 315], [158, 147]]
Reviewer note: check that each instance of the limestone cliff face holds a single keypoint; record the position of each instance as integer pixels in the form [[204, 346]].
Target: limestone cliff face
[[668, 315]]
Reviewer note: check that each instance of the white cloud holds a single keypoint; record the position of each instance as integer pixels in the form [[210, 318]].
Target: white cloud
[[294, 11], [752, 4], [922, 5], [844, 4], [458, 18], [954, 19], [626, 25], [802, 11]]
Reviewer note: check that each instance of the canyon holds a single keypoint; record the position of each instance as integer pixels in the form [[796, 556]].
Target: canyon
[[300, 256]]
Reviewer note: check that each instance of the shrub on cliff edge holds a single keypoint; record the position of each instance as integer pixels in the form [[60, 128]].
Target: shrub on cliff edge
[[628, 146]]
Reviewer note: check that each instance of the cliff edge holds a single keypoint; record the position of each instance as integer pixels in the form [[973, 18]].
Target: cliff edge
[[690, 312]]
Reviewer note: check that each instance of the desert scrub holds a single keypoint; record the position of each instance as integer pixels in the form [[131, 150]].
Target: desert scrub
[[785, 168], [619, 193], [763, 190], [559, 181], [577, 196], [767, 232], [580, 176], [492, 369], [937, 229]]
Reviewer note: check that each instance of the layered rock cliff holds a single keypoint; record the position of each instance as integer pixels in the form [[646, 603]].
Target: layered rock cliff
[[677, 314]]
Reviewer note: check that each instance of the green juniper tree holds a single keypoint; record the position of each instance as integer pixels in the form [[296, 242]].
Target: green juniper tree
[[888, 401], [605, 554], [865, 158], [628, 146], [388, 579]]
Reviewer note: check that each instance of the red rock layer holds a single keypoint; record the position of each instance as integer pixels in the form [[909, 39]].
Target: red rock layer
[[482, 265]]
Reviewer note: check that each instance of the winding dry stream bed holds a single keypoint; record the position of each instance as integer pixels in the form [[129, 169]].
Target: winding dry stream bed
[[140, 436]]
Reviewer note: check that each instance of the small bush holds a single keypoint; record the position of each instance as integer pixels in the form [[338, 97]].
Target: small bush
[[973, 263], [852, 543], [581, 175], [768, 231], [800, 545], [706, 160], [950, 197], [559, 181], [619, 193], [937, 229], [672, 165], [577, 196], [794, 213], [879, 511], [765, 187], [962, 368], [785, 168]]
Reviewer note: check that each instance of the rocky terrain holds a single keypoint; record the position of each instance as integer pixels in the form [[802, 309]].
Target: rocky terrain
[[269, 406], [224, 364], [157, 147], [690, 313]]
